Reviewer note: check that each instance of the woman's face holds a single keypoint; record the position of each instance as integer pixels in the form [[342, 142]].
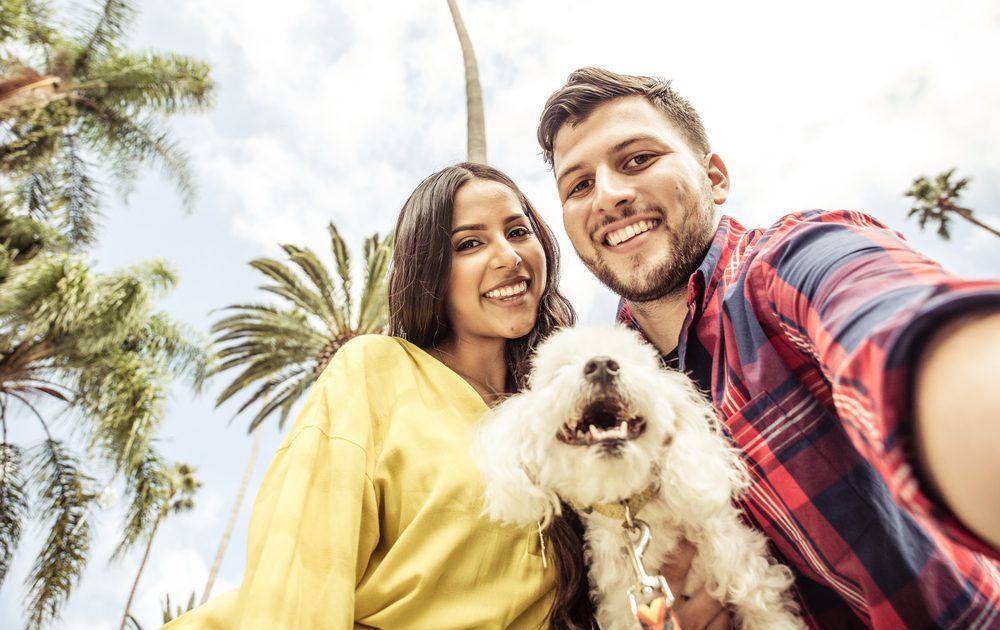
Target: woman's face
[[497, 265]]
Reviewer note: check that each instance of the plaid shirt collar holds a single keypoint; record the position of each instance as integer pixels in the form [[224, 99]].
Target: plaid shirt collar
[[703, 282]]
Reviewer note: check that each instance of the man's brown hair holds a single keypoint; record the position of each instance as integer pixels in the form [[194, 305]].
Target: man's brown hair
[[587, 89]]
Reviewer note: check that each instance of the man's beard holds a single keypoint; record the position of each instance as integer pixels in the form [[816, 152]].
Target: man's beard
[[687, 250]]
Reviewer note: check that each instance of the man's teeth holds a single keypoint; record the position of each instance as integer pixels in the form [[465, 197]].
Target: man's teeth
[[620, 236], [507, 291]]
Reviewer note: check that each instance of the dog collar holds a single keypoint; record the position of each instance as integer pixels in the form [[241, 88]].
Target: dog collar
[[616, 510]]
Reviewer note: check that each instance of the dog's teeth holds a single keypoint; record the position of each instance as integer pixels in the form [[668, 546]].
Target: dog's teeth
[[623, 427], [594, 431]]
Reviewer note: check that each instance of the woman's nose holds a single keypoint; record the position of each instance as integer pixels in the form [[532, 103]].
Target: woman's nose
[[505, 256]]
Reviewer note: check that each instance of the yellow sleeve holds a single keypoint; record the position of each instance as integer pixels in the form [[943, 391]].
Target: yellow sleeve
[[315, 520]]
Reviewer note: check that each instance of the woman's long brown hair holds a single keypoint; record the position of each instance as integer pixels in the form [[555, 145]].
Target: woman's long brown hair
[[572, 608], [418, 282]]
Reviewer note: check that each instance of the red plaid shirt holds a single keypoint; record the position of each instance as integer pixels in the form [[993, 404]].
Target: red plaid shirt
[[805, 335]]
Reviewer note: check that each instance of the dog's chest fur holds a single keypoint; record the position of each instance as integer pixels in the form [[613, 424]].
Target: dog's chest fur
[[611, 571]]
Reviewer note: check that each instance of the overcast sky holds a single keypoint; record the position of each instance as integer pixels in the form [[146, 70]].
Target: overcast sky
[[335, 110]]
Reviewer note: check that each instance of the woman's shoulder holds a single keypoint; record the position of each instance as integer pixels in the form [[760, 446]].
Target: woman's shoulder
[[377, 353]]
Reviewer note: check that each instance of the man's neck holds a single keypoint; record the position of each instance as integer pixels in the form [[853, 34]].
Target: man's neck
[[661, 320]]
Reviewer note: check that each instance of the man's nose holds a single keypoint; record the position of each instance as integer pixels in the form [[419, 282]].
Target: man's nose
[[601, 370], [612, 190]]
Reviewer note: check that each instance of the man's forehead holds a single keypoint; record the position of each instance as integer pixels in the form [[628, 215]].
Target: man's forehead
[[607, 126]]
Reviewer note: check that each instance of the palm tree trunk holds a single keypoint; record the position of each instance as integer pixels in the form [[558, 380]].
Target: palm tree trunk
[[142, 565], [27, 92], [473, 92], [227, 534], [968, 217]]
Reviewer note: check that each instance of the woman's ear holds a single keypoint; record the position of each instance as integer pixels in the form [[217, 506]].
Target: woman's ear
[[512, 493]]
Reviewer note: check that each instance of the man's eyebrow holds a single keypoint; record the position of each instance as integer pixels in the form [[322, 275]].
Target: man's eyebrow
[[482, 226], [621, 146]]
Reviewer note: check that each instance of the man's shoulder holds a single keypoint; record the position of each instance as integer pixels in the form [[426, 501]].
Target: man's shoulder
[[806, 219], [841, 230]]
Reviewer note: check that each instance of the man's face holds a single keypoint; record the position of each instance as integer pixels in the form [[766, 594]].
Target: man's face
[[638, 204]]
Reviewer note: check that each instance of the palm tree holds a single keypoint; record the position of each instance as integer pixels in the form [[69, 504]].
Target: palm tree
[[283, 348], [70, 101], [89, 346], [172, 490], [936, 201], [476, 124]]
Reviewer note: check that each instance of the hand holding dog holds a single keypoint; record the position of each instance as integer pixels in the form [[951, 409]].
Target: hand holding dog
[[699, 611]]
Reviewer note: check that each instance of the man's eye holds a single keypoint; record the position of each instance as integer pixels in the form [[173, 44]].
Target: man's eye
[[580, 187], [638, 160], [519, 232]]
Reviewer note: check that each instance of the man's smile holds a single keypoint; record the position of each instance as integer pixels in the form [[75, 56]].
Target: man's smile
[[630, 231]]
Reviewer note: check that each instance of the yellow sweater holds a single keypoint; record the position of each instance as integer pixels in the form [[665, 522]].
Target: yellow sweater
[[369, 515]]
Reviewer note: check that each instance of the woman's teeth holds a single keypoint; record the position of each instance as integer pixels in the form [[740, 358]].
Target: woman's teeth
[[620, 236], [507, 291]]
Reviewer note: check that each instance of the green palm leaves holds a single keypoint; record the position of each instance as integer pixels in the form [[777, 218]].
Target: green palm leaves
[[70, 101], [283, 347], [91, 341], [936, 201], [76, 345]]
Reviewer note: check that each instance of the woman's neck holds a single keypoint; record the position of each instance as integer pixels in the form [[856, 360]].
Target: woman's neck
[[481, 364]]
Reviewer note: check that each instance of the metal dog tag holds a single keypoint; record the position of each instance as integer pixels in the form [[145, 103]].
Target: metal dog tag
[[649, 597]]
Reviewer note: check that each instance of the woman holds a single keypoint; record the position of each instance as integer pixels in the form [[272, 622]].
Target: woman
[[369, 515]]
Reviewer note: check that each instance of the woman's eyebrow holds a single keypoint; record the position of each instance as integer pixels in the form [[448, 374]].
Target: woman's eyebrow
[[482, 226]]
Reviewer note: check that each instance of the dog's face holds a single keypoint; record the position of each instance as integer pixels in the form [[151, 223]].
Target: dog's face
[[592, 427]]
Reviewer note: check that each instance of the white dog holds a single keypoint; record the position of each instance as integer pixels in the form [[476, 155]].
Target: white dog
[[601, 424]]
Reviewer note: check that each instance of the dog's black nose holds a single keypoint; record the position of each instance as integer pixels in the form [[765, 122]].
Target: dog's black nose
[[601, 369]]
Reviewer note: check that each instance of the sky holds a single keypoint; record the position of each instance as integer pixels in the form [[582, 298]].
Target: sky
[[336, 110]]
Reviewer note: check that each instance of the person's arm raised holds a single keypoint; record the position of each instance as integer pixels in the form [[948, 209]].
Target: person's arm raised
[[957, 404]]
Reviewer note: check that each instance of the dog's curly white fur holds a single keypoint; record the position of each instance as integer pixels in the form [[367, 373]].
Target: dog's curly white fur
[[651, 426]]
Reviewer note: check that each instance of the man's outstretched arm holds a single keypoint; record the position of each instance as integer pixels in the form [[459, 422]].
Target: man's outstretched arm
[[957, 404]]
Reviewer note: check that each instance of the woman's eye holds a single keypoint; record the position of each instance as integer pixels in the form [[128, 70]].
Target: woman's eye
[[519, 232], [466, 244]]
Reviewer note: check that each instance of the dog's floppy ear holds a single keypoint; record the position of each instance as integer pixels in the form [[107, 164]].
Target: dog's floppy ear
[[708, 469], [502, 449]]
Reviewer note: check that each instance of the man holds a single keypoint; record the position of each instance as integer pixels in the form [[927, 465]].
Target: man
[[858, 377]]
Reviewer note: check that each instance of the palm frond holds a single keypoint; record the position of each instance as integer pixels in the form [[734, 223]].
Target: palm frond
[[297, 383], [13, 504], [289, 286], [147, 490], [65, 494], [126, 141], [175, 347], [124, 397], [342, 261], [263, 367], [107, 28], [36, 194], [25, 19], [79, 195], [314, 269], [372, 309], [151, 82], [29, 138]]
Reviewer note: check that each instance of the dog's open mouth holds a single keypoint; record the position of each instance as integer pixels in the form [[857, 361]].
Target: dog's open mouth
[[602, 421]]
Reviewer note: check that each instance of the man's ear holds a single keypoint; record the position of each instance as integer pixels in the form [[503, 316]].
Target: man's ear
[[719, 176]]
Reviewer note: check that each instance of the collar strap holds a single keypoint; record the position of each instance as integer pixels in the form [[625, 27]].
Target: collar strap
[[616, 510]]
